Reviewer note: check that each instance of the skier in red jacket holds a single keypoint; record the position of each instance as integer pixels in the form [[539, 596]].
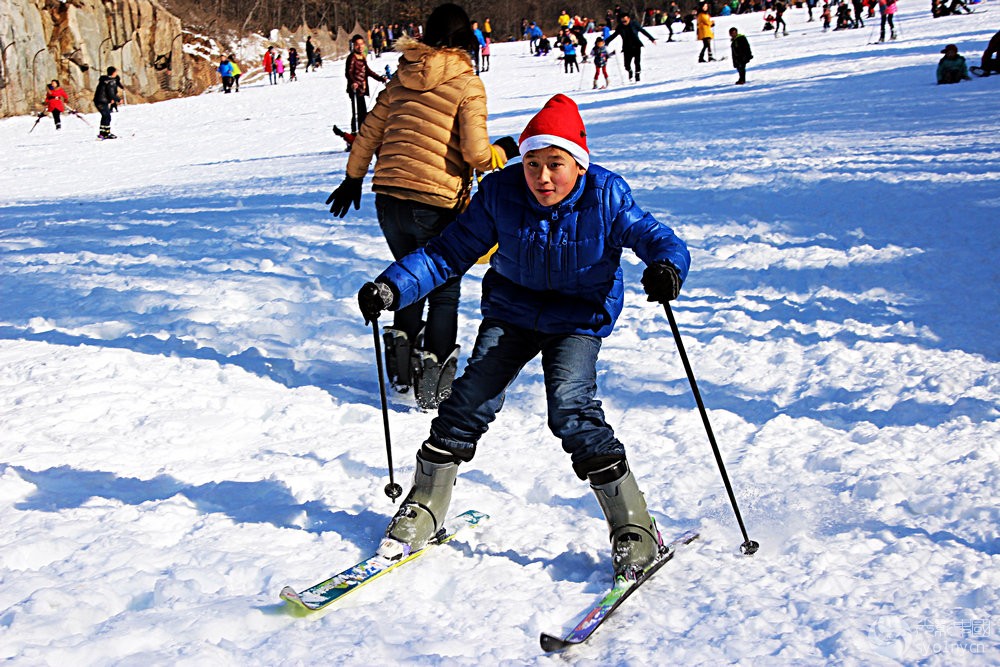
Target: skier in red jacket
[[55, 99]]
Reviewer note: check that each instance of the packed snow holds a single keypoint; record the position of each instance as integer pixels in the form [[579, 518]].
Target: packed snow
[[190, 416]]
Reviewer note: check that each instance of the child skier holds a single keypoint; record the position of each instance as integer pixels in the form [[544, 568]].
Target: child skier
[[569, 55], [279, 67], [55, 99], [346, 136], [888, 10], [485, 54], [742, 54], [601, 55], [225, 70], [237, 73], [554, 288]]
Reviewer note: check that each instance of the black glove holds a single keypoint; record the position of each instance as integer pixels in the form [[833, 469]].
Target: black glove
[[341, 198], [508, 146], [661, 282], [373, 298]]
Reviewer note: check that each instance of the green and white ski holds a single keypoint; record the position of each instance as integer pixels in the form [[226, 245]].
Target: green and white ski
[[327, 592]]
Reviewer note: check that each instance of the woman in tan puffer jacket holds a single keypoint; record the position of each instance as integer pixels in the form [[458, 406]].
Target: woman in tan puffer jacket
[[428, 128]]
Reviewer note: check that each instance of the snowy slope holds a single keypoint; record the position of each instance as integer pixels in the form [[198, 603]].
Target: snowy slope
[[189, 414]]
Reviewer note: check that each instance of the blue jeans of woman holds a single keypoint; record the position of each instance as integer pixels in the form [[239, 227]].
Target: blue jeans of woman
[[569, 365], [408, 225]]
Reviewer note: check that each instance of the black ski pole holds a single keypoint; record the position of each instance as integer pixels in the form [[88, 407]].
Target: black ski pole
[[355, 125], [37, 121], [392, 489], [749, 547], [80, 116]]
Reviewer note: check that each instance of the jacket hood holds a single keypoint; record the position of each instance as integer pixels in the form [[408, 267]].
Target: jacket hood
[[422, 67]]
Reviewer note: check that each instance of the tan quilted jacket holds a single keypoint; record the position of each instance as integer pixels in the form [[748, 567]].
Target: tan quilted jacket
[[428, 127]]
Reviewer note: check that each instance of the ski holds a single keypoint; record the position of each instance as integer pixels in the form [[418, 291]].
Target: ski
[[327, 592], [611, 600]]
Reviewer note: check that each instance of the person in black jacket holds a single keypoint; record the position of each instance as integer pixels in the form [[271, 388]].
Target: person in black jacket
[[779, 18], [742, 55], [631, 44], [310, 53], [990, 62], [106, 96]]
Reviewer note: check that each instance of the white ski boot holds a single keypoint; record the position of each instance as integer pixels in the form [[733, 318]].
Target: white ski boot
[[635, 541], [422, 515]]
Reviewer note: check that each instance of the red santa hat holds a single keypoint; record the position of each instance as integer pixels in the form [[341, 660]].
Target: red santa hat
[[557, 124]]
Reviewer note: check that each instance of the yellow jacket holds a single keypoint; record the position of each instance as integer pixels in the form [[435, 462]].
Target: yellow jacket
[[429, 128], [705, 24]]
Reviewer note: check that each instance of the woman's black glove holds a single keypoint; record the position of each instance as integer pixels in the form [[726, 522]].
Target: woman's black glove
[[373, 298], [508, 146], [661, 282], [347, 192]]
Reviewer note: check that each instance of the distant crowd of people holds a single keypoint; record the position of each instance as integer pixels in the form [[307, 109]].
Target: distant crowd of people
[[571, 42]]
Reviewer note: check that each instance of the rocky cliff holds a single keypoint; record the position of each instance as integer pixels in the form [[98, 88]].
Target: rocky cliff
[[76, 40]]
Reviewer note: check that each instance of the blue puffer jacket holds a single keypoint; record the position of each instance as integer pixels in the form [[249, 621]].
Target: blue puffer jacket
[[556, 269]]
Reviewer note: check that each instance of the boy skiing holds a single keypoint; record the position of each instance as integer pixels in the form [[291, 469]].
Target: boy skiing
[[742, 54], [601, 55], [554, 288]]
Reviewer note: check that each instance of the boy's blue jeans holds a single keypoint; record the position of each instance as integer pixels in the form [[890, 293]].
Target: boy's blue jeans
[[569, 364]]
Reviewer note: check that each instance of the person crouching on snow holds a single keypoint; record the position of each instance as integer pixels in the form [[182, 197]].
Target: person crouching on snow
[[554, 288], [951, 68]]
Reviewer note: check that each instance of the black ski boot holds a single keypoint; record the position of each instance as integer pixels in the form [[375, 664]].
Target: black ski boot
[[432, 380], [422, 515], [635, 541], [398, 348]]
